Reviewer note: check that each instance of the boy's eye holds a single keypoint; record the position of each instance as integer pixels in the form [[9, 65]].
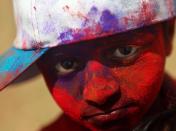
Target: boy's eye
[[123, 55], [123, 52], [66, 66]]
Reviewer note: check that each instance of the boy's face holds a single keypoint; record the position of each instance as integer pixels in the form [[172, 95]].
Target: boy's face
[[108, 83]]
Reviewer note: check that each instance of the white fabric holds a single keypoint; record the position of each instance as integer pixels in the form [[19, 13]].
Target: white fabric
[[49, 23]]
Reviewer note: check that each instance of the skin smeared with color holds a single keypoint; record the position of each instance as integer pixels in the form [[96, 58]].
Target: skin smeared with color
[[111, 72], [101, 81], [112, 81]]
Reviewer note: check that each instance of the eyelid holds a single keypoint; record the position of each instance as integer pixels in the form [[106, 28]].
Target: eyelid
[[62, 71], [78, 65], [122, 61], [133, 46], [113, 48]]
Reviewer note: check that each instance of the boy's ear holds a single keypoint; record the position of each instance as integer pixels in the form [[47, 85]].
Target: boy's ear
[[169, 28]]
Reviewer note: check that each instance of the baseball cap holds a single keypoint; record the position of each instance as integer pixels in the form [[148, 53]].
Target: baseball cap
[[44, 24]]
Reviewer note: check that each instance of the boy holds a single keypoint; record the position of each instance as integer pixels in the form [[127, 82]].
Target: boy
[[107, 71]]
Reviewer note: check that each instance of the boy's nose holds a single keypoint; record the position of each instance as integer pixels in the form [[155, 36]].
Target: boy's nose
[[100, 86]]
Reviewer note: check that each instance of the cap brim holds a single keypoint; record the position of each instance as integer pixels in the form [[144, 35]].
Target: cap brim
[[14, 62]]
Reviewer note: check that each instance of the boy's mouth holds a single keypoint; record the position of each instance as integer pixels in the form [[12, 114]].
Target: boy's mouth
[[102, 118]]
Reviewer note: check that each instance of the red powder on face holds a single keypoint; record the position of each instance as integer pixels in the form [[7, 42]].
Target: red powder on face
[[98, 90], [136, 86]]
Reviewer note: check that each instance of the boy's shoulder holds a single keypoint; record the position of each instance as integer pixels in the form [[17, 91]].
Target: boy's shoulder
[[165, 120], [168, 92]]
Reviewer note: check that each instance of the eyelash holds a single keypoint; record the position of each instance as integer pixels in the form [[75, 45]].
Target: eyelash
[[122, 60]]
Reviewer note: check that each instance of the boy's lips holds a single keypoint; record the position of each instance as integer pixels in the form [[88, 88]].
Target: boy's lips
[[111, 115]]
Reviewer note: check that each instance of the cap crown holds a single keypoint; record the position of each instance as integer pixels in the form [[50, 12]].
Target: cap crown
[[48, 23]]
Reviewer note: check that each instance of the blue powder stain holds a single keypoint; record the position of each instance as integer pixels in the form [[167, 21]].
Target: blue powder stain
[[70, 35], [67, 81], [78, 36], [65, 36], [48, 27], [73, 83], [108, 21], [93, 11]]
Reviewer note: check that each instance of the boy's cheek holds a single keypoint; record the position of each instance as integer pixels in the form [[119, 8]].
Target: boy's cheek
[[142, 80], [69, 104]]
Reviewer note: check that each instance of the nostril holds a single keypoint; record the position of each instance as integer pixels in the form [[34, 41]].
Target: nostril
[[107, 103], [98, 94], [92, 103]]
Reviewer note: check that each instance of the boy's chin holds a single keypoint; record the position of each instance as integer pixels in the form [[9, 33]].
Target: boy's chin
[[115, 127]]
